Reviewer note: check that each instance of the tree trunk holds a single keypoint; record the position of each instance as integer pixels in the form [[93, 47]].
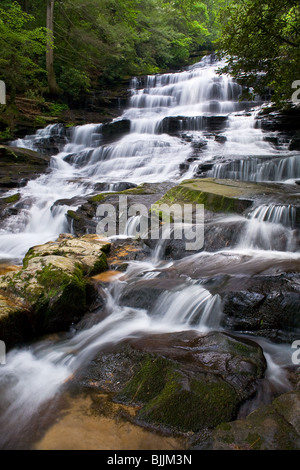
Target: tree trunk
[[24, 5], [53, 87]]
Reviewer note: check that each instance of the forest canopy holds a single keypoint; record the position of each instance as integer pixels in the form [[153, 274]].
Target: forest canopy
[[261, 42], [98, 42], [70, 47]]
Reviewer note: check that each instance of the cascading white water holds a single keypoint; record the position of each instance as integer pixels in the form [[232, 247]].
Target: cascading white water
[[276, 214], [132, 226], [271, 227], [37, 140], [141, 156], [283, 169], [24, 383], [192, 306]]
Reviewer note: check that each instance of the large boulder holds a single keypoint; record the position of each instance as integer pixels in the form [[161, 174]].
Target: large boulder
[[227, 196], [270, 427], [53, 289], [266, 306], [180, 381]]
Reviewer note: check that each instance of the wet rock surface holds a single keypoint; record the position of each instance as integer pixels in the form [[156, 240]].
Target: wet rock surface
[[288, 120], [115, 130], [267, 306], [272, 427], [52, 289], [174, 125], [18, 166], [180, 381]]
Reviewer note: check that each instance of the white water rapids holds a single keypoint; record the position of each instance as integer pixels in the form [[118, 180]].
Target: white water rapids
[[196, 96]]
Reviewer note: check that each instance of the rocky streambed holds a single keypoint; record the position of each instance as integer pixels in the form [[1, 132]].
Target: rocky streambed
[[188, 347], [196, 381]]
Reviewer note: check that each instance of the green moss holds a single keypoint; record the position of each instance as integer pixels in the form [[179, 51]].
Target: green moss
[[40, 121], [191, 408], [29, 255], [143, 387], [213, 202], [211, 198], [241, 348], [11, 199], [106, 248], [161, 215], [98, 198], [254, 441], [224, 427], [52, 278], [32, 254], [171, 399], [102, 196], [63, 294], [73, 215], [100, 265], [138, 190], [6, 135]]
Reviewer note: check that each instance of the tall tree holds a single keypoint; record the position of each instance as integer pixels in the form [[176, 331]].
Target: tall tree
[[21, 47], [53, 87], [261, 43]]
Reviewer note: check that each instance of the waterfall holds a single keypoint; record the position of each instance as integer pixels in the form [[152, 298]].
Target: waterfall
[[168, 115], [193, 306], [271, 227], [276, 214], [259, 169], [146, 154], [132, 226], [24, 383], [42, 138]]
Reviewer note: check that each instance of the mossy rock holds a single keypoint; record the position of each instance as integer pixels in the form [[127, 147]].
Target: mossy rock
[[174, 401], [10, 199], [141, 189], [73, 215], [225, 196], [216, 195], [270, 427], [89, 251], [185, 382], [53, 289], [63, 299]]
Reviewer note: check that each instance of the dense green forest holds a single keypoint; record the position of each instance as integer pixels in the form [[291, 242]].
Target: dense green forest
[[61, 50], [261, 41], [98, 42]]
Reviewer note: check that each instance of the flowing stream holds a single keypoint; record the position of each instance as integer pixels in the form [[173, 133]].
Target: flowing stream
[[201, 105]]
